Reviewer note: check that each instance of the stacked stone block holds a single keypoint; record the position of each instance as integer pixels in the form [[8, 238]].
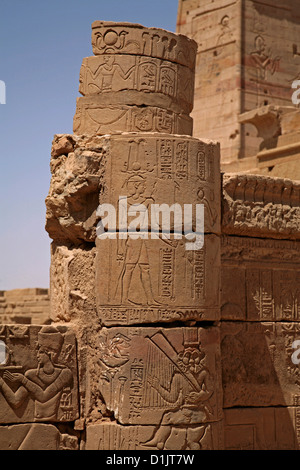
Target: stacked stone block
[[260, 312], [144, 310]]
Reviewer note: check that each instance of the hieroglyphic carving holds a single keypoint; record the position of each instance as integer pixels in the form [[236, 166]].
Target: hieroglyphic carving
[[94, 117], [260, 299], [267, 275], [126, 38], [172, 382], [40, 385], [141, 287], [170, 167], [112, 73], [152, 170]]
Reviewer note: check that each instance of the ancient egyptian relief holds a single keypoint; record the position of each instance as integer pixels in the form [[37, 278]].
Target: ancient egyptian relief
[[93, 117], [107, 73], [264, 64], [157, 279], [165, 378], [267, 275], [260, 204], [38, 378], [115, 38], [166, 169]]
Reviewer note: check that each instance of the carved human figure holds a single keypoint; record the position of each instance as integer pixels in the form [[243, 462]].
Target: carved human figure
[[45, 384], [107, 72], [226, 34], [133, 252], [263, 60], [189, 391]]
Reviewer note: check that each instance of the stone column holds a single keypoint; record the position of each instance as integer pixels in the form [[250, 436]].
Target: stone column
[[145, 307]]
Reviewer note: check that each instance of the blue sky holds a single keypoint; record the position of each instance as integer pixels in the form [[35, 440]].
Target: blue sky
[[42, 44]]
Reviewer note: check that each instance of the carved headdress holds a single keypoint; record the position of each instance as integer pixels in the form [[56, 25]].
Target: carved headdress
[[50, 338]]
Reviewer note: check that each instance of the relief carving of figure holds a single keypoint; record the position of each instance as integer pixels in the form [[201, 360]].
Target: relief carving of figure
[[133, 252], [187, 395], [107, 71], [45, 385]]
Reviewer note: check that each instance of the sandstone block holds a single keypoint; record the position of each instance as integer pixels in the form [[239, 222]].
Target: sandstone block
[[163, 169], [128, 38], [259, 279], [116, 437], [93, 116], [152, 376], [158, 80], [36, 436], [259, 364], [148, 281], [170, 169], [38, 377], [262, 428]]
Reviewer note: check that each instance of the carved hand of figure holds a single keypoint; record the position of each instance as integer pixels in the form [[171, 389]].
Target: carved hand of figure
[[196, 397], [15, 377]]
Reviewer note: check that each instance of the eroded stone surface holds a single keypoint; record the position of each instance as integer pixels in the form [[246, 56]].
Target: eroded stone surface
[[127, 38], [257, 364], [163, 377], [36, 437], [107, 436], [74, 189], [261, 206], [38, 374], [72, 283], [262, 428]]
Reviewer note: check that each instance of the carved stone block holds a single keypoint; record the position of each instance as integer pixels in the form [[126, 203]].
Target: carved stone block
[[259, 364], [127, 38], [148, 281], [262, 428], [260, 279], [36, 437], [156, 79], [164, 377], [116, 437], [93, 116], [167, 170], [260, 206], [38, 376], [164, 169]]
